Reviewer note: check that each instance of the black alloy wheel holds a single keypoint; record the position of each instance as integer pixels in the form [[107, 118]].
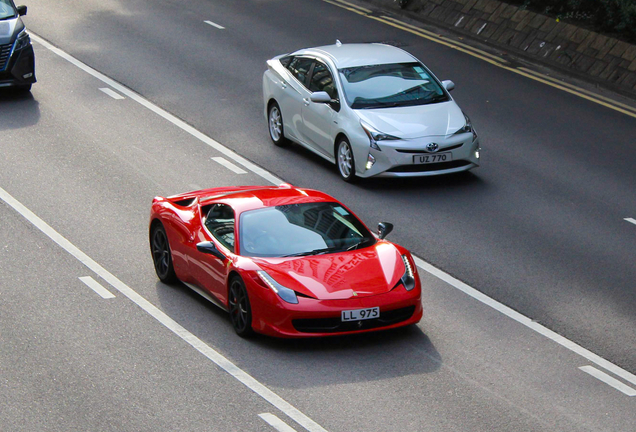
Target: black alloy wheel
[[161, 255], [240, 310]]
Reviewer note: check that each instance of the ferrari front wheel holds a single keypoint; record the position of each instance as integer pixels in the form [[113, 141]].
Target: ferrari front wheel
[[161, 255], [239, 308]]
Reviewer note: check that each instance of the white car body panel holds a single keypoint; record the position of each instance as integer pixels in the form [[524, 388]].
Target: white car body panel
[[316, 126]]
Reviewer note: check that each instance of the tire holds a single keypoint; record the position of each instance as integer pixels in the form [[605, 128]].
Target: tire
[[239, 308], [345, 160], [275, 125], [24, 88], [161, 255]]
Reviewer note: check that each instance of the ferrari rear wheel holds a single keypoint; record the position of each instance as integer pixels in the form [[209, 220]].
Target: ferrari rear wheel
[[240, 310], [161, 255]]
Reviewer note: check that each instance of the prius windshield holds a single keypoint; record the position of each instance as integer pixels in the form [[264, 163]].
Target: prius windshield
[[301, 229], [390, 85], [6, 10]]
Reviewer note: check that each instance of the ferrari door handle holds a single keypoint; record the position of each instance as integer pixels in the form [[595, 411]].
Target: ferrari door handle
[[306, 101]]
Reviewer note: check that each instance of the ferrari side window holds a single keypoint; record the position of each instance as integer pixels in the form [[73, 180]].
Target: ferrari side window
[[220, 222]]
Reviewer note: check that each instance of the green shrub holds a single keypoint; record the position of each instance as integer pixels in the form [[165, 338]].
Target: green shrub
[[613, 17]]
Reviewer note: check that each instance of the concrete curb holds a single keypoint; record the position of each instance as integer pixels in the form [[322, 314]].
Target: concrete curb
[[591, 56]]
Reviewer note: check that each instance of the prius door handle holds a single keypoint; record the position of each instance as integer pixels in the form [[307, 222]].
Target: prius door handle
[[306, 101], [283, 84]]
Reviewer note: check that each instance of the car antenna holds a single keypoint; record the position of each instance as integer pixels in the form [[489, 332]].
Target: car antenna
[[338, 43]]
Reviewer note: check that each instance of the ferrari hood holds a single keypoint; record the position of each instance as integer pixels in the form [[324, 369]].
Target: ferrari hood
[[439, 119], [366, 272]]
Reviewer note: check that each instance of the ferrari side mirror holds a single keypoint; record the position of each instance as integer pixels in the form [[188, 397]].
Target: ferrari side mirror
[[209, 248], [384, 228]]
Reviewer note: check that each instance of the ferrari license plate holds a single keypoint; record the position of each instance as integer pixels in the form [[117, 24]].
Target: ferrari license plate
[[432, 158], [361, 314]]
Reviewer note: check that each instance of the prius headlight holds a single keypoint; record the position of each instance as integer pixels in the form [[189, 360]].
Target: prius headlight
[[23, 40], [467, 128], [283, 292], [409, 275], [375, 136]]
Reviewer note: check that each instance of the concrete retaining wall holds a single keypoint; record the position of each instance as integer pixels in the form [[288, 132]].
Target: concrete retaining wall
[[588, 54]]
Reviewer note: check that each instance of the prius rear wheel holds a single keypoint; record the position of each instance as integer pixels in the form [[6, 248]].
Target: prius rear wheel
[[161, 255], [239, 306], [275, 124]]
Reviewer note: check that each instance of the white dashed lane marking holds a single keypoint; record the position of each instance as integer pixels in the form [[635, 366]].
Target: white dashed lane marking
[[220, 27], [229, 165], [602, 376], [630, 220], [112, 93], [276, 423], [97, 287]]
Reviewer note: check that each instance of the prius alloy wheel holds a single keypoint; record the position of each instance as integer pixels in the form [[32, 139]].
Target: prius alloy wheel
[[345, 161], [240, 311], [275, 121]]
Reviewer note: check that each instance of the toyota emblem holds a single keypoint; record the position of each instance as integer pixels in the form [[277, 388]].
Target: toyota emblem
[[432, 147]]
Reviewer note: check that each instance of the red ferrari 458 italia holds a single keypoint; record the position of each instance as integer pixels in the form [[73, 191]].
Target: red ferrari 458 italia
[[284, 261]]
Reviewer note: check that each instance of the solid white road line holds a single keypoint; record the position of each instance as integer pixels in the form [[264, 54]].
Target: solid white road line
[[477, 295], [220, 27], [276, 181], [161, 112], [229, 165], [608, 380], [97, 287], [631, 220], [276, 423], [164, 319], [111, 93]]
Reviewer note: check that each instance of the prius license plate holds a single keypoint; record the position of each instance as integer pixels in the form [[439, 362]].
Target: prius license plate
[[361, 314], [432, 158]]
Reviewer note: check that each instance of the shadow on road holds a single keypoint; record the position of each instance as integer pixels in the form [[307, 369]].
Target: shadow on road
[[18, 109], [303, 363]]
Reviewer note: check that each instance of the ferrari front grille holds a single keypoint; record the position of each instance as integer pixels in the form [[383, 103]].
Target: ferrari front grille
[[335, 325]]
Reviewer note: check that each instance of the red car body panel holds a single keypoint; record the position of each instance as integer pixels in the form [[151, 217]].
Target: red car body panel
[[325, 284]]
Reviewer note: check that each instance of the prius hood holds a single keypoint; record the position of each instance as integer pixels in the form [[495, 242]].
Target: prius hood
[[439, 119], [367, 272]]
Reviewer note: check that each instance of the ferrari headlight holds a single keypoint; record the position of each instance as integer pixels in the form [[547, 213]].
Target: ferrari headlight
[[409, 275], [283, 292], [22, 41], [375, 136]]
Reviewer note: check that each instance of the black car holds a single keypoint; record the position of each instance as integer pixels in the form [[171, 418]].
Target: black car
[[17, 61]]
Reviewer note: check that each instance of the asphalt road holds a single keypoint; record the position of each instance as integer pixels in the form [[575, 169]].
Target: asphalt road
[[539, 227]]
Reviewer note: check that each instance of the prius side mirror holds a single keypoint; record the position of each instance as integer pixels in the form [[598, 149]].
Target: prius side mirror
[[448, 85], [384, 228], [207, 247], [320, 97]]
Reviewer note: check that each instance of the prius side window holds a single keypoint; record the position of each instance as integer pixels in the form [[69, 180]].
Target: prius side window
[[322, 80], [299, 68], [220, 222]]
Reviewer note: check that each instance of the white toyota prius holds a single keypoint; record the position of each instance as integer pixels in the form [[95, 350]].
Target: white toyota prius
[[372, 109]]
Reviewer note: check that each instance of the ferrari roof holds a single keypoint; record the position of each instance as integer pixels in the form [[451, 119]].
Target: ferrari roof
[[360, 54], [250, 198]]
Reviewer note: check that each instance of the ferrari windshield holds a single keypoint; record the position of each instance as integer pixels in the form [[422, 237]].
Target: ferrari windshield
[[390, 85], [301, 229], [6, 10]]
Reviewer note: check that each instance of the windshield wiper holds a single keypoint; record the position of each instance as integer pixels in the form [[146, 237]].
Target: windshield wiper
[[358, 244], [311, 252]]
